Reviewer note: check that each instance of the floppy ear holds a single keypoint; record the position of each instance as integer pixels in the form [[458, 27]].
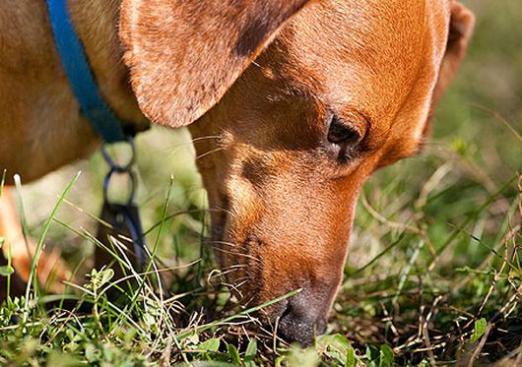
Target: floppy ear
[[461, 26], [183, 55]]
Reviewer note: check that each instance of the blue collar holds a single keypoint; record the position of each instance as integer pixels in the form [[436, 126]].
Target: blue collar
[[80, 76]]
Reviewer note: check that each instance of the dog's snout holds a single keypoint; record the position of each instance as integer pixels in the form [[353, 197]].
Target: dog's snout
[[303, 319]]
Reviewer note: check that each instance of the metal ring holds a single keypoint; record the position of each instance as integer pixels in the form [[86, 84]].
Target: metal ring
[[116, 166], [132, 184]]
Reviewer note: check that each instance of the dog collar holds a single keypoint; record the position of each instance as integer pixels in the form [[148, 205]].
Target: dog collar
[[81, 79]]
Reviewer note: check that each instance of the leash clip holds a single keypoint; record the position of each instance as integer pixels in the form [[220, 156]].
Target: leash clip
[[124, 217], [125, 168], [113, 164]]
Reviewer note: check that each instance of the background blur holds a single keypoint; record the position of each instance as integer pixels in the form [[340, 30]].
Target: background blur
[[425, 226]]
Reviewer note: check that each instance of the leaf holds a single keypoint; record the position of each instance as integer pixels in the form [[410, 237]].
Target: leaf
[[372, 353], [210, 345], [478, 330], [57, 359], [234, 354], [106, 275], [351, 360], [2, 241], [92, 354], [386, 356], [193, 339], [6, 271], [250, 353], [149, 320], [298, 357], [334, 346], [99, 278]]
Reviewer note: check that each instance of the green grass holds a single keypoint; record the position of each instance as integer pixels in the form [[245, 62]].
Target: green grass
[[434, 274]]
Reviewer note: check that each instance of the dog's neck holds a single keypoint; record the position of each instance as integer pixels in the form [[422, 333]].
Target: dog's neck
[[96, 23]]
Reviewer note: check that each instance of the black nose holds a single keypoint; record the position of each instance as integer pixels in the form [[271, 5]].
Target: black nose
[[303, 319]]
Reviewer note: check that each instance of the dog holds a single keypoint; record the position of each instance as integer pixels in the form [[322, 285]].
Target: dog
[[307, 97]]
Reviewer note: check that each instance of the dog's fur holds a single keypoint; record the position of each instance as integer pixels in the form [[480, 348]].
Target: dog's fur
[[266, 77]]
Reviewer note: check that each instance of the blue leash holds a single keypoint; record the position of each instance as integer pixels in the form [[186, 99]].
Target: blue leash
[[80, 76]]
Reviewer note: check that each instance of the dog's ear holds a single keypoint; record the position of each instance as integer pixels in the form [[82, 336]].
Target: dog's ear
[[461, 26], [183, 55]]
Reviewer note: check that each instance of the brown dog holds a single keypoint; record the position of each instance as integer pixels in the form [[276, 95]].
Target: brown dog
[[337, 90]]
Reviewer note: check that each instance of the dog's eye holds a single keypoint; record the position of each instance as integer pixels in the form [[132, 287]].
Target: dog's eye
[[345, 136], [342, 133]]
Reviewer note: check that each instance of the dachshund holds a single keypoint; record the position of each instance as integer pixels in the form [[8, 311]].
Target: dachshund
[[307, 98]]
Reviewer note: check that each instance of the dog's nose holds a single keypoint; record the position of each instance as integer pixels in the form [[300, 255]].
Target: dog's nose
[[302, 320]]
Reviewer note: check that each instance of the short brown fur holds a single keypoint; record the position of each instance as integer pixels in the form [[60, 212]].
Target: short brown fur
[[266, 77]]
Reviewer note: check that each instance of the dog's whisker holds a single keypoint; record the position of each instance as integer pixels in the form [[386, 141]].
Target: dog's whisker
[[229, 271], [232, 252], [207, 137], [236, 254], [218, 242], [173, 148], [202, 155]]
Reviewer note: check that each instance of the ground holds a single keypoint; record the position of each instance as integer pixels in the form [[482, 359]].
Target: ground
[[434, 274]]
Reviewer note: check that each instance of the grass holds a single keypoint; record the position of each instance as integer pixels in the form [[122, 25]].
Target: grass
[[434, 274]]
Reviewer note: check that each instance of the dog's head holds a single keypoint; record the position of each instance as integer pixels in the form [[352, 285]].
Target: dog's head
[[297, 102]]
